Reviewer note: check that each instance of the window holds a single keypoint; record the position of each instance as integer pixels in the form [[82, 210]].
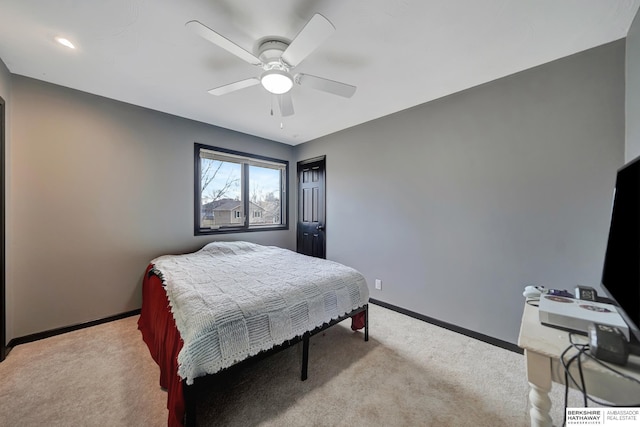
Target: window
[[230, 183]]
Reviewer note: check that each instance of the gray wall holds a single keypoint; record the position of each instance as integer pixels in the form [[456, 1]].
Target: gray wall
[[632, 147], [459, 203], [97, 189], [455, 204], [5, 93]]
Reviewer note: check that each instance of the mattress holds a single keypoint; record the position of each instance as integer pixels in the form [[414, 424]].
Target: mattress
[[232, 300]]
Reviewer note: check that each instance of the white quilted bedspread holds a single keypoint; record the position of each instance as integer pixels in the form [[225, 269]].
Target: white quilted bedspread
[[231, 300]]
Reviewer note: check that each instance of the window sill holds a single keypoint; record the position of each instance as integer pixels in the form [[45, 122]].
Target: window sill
[[229, 230]]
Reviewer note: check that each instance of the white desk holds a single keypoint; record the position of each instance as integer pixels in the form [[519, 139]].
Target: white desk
[[542, 349]]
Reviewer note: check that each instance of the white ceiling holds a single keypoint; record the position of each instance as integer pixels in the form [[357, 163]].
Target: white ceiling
[[399, 53]]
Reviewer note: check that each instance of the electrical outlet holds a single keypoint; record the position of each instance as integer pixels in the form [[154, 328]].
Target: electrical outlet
[[378, 284]]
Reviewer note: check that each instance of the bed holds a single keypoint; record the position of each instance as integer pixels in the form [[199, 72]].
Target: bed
[[208, 311]]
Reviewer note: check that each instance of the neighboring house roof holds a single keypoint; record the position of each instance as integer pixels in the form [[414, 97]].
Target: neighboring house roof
[[216, 203], [227, 205], [256, 206]]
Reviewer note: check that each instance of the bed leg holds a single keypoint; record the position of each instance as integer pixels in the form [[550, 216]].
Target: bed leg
[[366, 322], [305, 356], [189, 394]]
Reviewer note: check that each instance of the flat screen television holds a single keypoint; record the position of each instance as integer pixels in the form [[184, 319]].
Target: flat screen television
[[621, 270]]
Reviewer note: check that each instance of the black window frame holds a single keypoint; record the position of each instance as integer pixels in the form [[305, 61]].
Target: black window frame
[[246, 227]]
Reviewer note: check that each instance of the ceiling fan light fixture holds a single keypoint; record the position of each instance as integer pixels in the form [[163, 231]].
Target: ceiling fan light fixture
[[276, 81]]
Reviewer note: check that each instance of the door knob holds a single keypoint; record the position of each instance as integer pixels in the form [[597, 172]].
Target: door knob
[[320, 227]]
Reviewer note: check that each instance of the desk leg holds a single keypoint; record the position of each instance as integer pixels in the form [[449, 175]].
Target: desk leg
[[539, 377]]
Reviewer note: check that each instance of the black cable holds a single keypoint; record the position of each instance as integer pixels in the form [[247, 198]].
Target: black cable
[[566, 398], [567, 365], [583, 349], [600, 362], [622, 374], [598, 402], [584, 385], [567, 375]]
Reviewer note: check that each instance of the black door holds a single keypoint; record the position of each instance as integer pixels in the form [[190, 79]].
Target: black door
[[311, 238]]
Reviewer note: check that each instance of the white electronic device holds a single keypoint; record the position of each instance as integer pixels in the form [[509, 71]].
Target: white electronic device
[[576, 315], [532, 291]]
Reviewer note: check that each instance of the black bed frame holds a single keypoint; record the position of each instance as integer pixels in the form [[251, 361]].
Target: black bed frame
[[191, 392]]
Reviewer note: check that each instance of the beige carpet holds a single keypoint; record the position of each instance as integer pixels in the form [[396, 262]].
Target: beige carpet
[[410, 373]]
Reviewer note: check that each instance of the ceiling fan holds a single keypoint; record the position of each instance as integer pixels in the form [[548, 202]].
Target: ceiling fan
[[278, 57]]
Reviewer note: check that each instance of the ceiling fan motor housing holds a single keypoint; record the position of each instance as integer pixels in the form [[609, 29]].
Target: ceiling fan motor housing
[[276, 77], [270, 53]]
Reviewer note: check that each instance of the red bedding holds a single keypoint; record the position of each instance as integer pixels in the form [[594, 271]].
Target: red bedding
[[161, 335]]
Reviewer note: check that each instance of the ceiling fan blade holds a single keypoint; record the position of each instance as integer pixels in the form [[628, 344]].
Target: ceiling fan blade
[[232, 87], [285, 102], [325, 85], [217, 39], [317, 30]]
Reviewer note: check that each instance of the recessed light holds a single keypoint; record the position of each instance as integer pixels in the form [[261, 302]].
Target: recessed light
[[65, 42]]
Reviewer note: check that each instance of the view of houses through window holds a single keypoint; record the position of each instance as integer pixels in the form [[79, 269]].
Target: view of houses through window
[[229, 183]]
